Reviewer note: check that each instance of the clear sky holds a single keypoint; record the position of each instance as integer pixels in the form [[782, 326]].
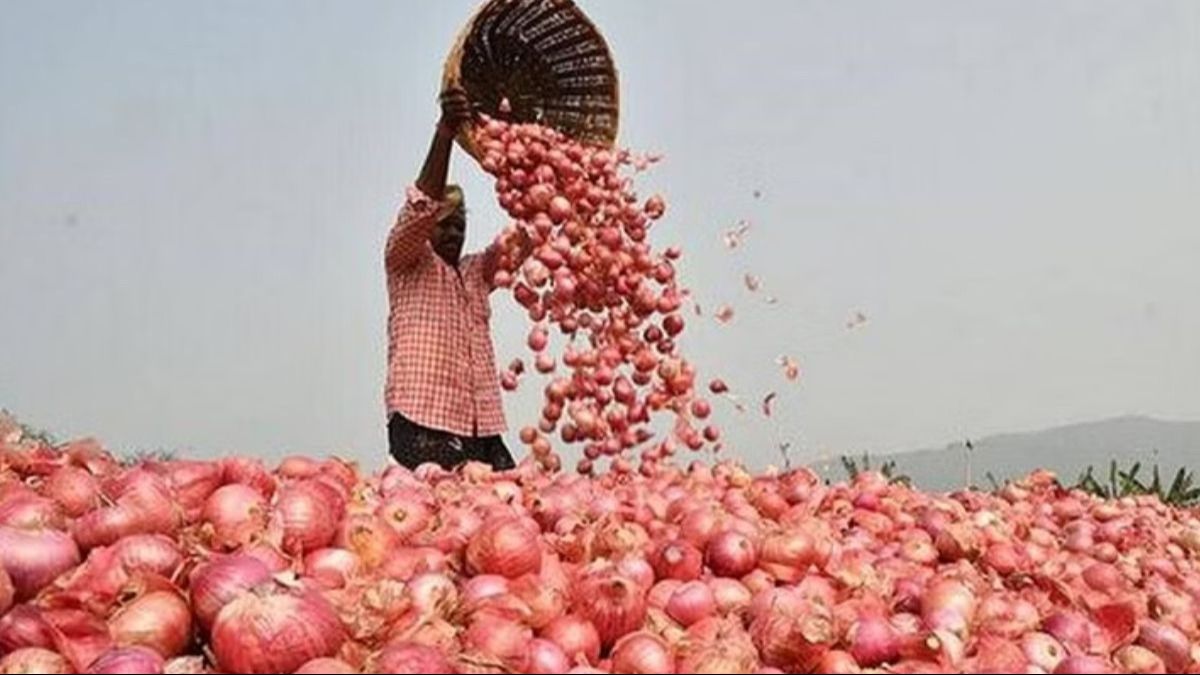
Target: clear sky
[[194, 199]]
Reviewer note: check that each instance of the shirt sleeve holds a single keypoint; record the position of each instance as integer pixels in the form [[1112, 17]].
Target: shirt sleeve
[[409, 238]]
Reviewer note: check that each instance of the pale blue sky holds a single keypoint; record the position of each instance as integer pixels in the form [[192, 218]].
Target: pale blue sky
[[194, 197]]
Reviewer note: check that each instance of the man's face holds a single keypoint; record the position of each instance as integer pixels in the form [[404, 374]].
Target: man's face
[[449, 235]]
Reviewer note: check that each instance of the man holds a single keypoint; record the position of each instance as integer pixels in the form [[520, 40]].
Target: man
[[442, 393]]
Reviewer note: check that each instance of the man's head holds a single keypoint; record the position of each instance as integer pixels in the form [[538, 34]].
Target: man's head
[[451, 230]]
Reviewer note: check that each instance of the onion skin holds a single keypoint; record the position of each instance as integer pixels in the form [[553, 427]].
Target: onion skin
[[505, 547], [691, 602], [304, 510], [410, 659], [547, 657], [576, 636], [34, 660], [7, 592], [218, 583], [159, 620], [678, 560], [128, 660], [1074, 665], [731, 554], [34, 558], [237, 514], [614, 604], [74, 489], [325, 665], [1168, 643], [639, 653], [271, 631]]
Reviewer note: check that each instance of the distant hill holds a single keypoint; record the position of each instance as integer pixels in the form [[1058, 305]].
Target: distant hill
[[1066, 450]]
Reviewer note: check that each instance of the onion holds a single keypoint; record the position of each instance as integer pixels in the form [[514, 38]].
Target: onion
[[731, 554], [368, 537], [691, 602], [732, 597], [269, 555], [433, 594], [789, 555], [304, 509], [406, 515], [408, 658], [576, 636], [1083, 664], [237, 514], [248, 472], [614, 604], [1070, 628], [547, 657], [677, 560], [324, 665], [332, 567], [159, 620], [153, 553], [34, 660], [639, 653], [24, 626], [948, 605], [34, 558], [484, 586], [1043, 651], [298, 468], [31, 512], [1169, 643], [185, 665], [218, 583], [73, 489], [638, 570], [793, 635], [505, 547], [128, 660], [192, 484], [874, 642], [546, 602], [1139, 660], [660, 594], [499, 641], [272, 631], [6, 591]]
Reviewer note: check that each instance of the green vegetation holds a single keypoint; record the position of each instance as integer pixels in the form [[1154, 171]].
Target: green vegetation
[[1182, 491], [853, 467]]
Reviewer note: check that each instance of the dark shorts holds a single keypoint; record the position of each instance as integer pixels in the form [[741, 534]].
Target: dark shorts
[[413, 445]]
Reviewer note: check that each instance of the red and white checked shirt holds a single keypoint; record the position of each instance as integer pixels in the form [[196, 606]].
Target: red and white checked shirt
[[441, 363]]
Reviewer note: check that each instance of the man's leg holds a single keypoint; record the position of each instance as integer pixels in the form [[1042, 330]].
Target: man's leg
[[413, 445]]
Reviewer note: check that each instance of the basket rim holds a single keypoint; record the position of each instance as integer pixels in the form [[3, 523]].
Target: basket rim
[[452, 69]]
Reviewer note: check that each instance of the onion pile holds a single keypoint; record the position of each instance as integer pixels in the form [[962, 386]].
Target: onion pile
[[318, 568]]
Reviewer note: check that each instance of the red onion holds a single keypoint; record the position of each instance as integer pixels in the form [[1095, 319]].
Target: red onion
[[1043, 650], [732, 597], [639, 653], [304, 509], [660, 594], [31, 512], [948, 605], [1070, 628], [411, 659], [406, 515], [677, 560], [433, 594], [269, 555], [73, 489], [185, 665], [545, 601], [500, 641], [237, 514], [614, 604], [153, 553], [691, 602], [1169, 643], [34, 660], [248, 472], [6, 591], [790, 554], [34, 558], [1082, 665], [128, 660], [699, 526], [298, 468], [192, 484], [325, 665], [638, 570], [547, 657], [1139, 660], [218, 583], [874, 642], [835, 662], [731, 554], [24, 626], [506, 547], [576, 636], [272, 631], [793, 636], [332, 567], [159, 620], [368, 537]]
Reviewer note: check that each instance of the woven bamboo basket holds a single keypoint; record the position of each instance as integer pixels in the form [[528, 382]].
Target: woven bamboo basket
[[547, 59]]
